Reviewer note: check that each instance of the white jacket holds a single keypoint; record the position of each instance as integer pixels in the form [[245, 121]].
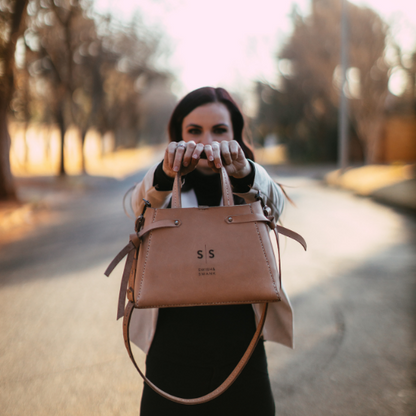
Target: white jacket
[[279, 322]]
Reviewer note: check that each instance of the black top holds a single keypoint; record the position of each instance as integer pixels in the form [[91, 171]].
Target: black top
[[204, 335]]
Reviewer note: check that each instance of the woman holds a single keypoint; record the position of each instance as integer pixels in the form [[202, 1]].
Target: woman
[[191, 351]]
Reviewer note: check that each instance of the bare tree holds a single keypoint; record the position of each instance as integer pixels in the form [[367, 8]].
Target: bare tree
[[12, 21], [309, 91], [367, 44], [90, 66], [50, 56], [128, 73]]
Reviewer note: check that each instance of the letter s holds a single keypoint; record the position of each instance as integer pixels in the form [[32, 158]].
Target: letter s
[[211, 254], [200, 255]]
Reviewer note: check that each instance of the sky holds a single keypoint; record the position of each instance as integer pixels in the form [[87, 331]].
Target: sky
[[231, 43]]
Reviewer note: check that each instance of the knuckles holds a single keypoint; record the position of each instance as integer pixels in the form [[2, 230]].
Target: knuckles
[[230, 150]]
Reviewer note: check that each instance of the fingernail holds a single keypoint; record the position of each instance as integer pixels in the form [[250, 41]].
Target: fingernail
[[185, 164], [175, 168], [195, 156], [218, 165], [211, 159]]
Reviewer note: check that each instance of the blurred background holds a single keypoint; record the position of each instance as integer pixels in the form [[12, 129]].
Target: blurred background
[[328, 89], [83, 80]]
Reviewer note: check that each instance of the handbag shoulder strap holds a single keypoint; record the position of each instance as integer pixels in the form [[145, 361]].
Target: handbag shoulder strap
[[215, 393]]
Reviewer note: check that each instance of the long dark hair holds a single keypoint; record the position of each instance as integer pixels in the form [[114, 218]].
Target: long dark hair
[[203, 96]]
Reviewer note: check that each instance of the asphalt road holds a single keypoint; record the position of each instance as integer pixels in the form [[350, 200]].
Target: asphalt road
[[61, 349]]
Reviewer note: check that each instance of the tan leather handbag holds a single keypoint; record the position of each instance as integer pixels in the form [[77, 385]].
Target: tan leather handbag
[[182, 257]]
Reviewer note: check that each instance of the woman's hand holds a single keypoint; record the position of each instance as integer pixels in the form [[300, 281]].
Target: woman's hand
[[230, 155], [183, 156]]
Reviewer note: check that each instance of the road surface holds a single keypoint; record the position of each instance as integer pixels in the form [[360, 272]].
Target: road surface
[[61, 349]]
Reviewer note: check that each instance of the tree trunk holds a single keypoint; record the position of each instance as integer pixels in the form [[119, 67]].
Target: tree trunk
[[61, 123], [27, 147], [7, 189], [83, 135]]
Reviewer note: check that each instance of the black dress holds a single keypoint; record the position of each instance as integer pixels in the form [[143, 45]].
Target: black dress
[[195, 348]]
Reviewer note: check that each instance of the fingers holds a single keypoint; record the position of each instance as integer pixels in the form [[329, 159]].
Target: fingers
[[224, 153], [190, 147], [213, 153], [196, 155], [179, 153], [182, 156], [230, 152], [170, 155]]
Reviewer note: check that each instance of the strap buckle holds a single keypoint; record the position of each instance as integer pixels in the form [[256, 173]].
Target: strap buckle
[[130, 294], [266, 209], [140, 219]]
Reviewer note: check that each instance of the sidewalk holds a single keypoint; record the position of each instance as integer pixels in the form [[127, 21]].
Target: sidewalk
[[390, 184], [38, 195], [39, 199]]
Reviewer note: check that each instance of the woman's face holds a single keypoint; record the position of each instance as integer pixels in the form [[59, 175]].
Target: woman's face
[[206, 124]]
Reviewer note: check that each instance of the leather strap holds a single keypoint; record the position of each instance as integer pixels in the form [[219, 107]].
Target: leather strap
[[279, 263], [239, 219], [159, 224], [227, 194], [176, 191], [131, 251], [133, 243], [219, 390], [123, 284], [130, 291], [291, 234]]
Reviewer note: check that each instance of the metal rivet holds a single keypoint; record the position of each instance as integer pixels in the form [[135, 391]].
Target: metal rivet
[[176, 222], [230, 219]]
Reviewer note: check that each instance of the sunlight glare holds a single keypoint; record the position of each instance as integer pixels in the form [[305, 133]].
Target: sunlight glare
[[231, 43], [398, 81]]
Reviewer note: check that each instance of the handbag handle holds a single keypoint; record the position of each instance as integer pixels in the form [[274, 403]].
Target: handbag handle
[[227, 194], [219, 390]]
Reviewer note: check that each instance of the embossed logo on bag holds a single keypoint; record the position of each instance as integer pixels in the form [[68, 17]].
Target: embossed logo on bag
[[206, 271], [206, 255], [201, 254]]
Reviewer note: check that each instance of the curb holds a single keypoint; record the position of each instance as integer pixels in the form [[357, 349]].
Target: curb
[[391, 184]]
